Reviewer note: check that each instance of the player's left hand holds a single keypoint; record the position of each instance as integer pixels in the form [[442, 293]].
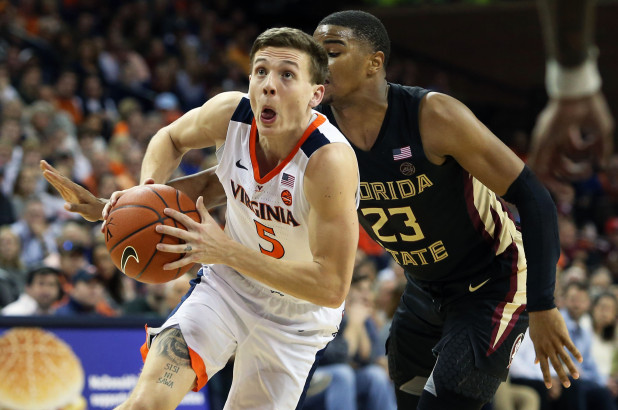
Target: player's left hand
[[205, 241], [550, 337]]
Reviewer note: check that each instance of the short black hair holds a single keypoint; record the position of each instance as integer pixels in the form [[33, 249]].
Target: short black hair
[[366, 26], [581, 286], [40, 271]]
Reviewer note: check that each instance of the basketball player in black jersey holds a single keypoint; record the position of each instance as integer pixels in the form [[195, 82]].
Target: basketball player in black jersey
[[430, 172], [431, 180]]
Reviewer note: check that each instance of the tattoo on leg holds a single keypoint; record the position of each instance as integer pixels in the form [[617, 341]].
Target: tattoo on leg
[[171, 345]]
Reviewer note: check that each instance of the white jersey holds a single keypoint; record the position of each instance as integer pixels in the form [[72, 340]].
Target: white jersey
[[269, 213], [274, 337]]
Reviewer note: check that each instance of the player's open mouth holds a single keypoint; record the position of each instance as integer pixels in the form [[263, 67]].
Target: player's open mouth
[[268, 116]]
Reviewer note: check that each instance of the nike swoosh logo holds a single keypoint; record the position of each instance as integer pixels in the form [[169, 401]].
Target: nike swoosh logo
[[477, 287], [128, 253], [239, 165]]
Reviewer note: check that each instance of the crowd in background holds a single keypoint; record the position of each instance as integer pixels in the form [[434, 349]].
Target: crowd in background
[[84, 85]]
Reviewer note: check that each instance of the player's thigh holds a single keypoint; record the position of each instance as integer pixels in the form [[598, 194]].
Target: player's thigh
[[167, 375], [415, 330], [474, 355], [272, 369]]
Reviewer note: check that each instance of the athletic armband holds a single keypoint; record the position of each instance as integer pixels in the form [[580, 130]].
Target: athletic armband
[[539, 227], [573, 82]]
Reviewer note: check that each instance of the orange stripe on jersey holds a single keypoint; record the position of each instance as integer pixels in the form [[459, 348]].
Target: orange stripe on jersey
[[253, 139], [144, 349], [197, 364], [199, 368]]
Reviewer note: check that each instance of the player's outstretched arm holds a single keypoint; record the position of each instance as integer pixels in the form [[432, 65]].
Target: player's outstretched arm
[[573, 134], [333, 236], [78, 199], [449, 128], [81, 201], [202, 127]]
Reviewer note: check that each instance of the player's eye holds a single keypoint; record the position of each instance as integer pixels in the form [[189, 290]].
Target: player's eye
[[288, 74], [260, 71]]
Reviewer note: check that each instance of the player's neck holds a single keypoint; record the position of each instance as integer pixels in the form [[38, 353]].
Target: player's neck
[[272, 149], [360, 117]]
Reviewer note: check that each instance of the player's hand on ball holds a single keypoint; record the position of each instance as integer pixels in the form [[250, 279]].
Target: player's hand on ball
[[114, 198], [205, 242]]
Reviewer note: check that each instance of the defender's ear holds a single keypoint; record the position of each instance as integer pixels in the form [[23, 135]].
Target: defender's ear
[[376, 62]]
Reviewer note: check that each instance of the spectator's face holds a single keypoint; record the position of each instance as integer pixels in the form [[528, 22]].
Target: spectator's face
[[34, 214], [45, 289], [281, 91], [92, 87], [27, 181], [9, 245], [604, 312], [66, 86], [361, 292], [577, 302], [88, 293], [103, 261]]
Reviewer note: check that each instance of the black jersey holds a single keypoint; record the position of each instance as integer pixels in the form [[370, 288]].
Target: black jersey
[[438, 222]]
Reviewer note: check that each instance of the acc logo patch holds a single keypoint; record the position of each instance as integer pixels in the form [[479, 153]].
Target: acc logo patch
[[286, 197], [515, 348], [407, 168]]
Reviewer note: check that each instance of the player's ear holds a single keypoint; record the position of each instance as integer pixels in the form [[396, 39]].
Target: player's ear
[[376, 62], [318, 94]]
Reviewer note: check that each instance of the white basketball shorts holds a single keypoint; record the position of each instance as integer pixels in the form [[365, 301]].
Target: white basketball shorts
[[275, 338]]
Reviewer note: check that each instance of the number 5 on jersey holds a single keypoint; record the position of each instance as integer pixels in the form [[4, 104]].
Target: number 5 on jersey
[[264, 231]]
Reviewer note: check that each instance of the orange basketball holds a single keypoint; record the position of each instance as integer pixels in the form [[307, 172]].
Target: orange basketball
[[131, 237]]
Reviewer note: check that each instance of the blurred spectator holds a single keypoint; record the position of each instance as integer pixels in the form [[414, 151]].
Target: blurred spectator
[[94, 101], [86, 293], [7, 214], [7, 91], [119, 288], [511, 396], [357, 381], [604, 341], [66, 96], [176, 289], [152, 304], [42, 291], [168, 105], [591, 391], [12, 271], [30, 84], [37, 239], [28, 184]]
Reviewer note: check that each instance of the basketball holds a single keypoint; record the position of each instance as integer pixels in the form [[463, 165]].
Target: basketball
[[131, 237]]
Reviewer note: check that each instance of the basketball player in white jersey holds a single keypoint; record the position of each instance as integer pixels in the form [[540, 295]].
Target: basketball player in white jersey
[[272, 287]]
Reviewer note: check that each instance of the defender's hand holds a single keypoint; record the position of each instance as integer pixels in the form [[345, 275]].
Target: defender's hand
[[78, 199], [550, 336]]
